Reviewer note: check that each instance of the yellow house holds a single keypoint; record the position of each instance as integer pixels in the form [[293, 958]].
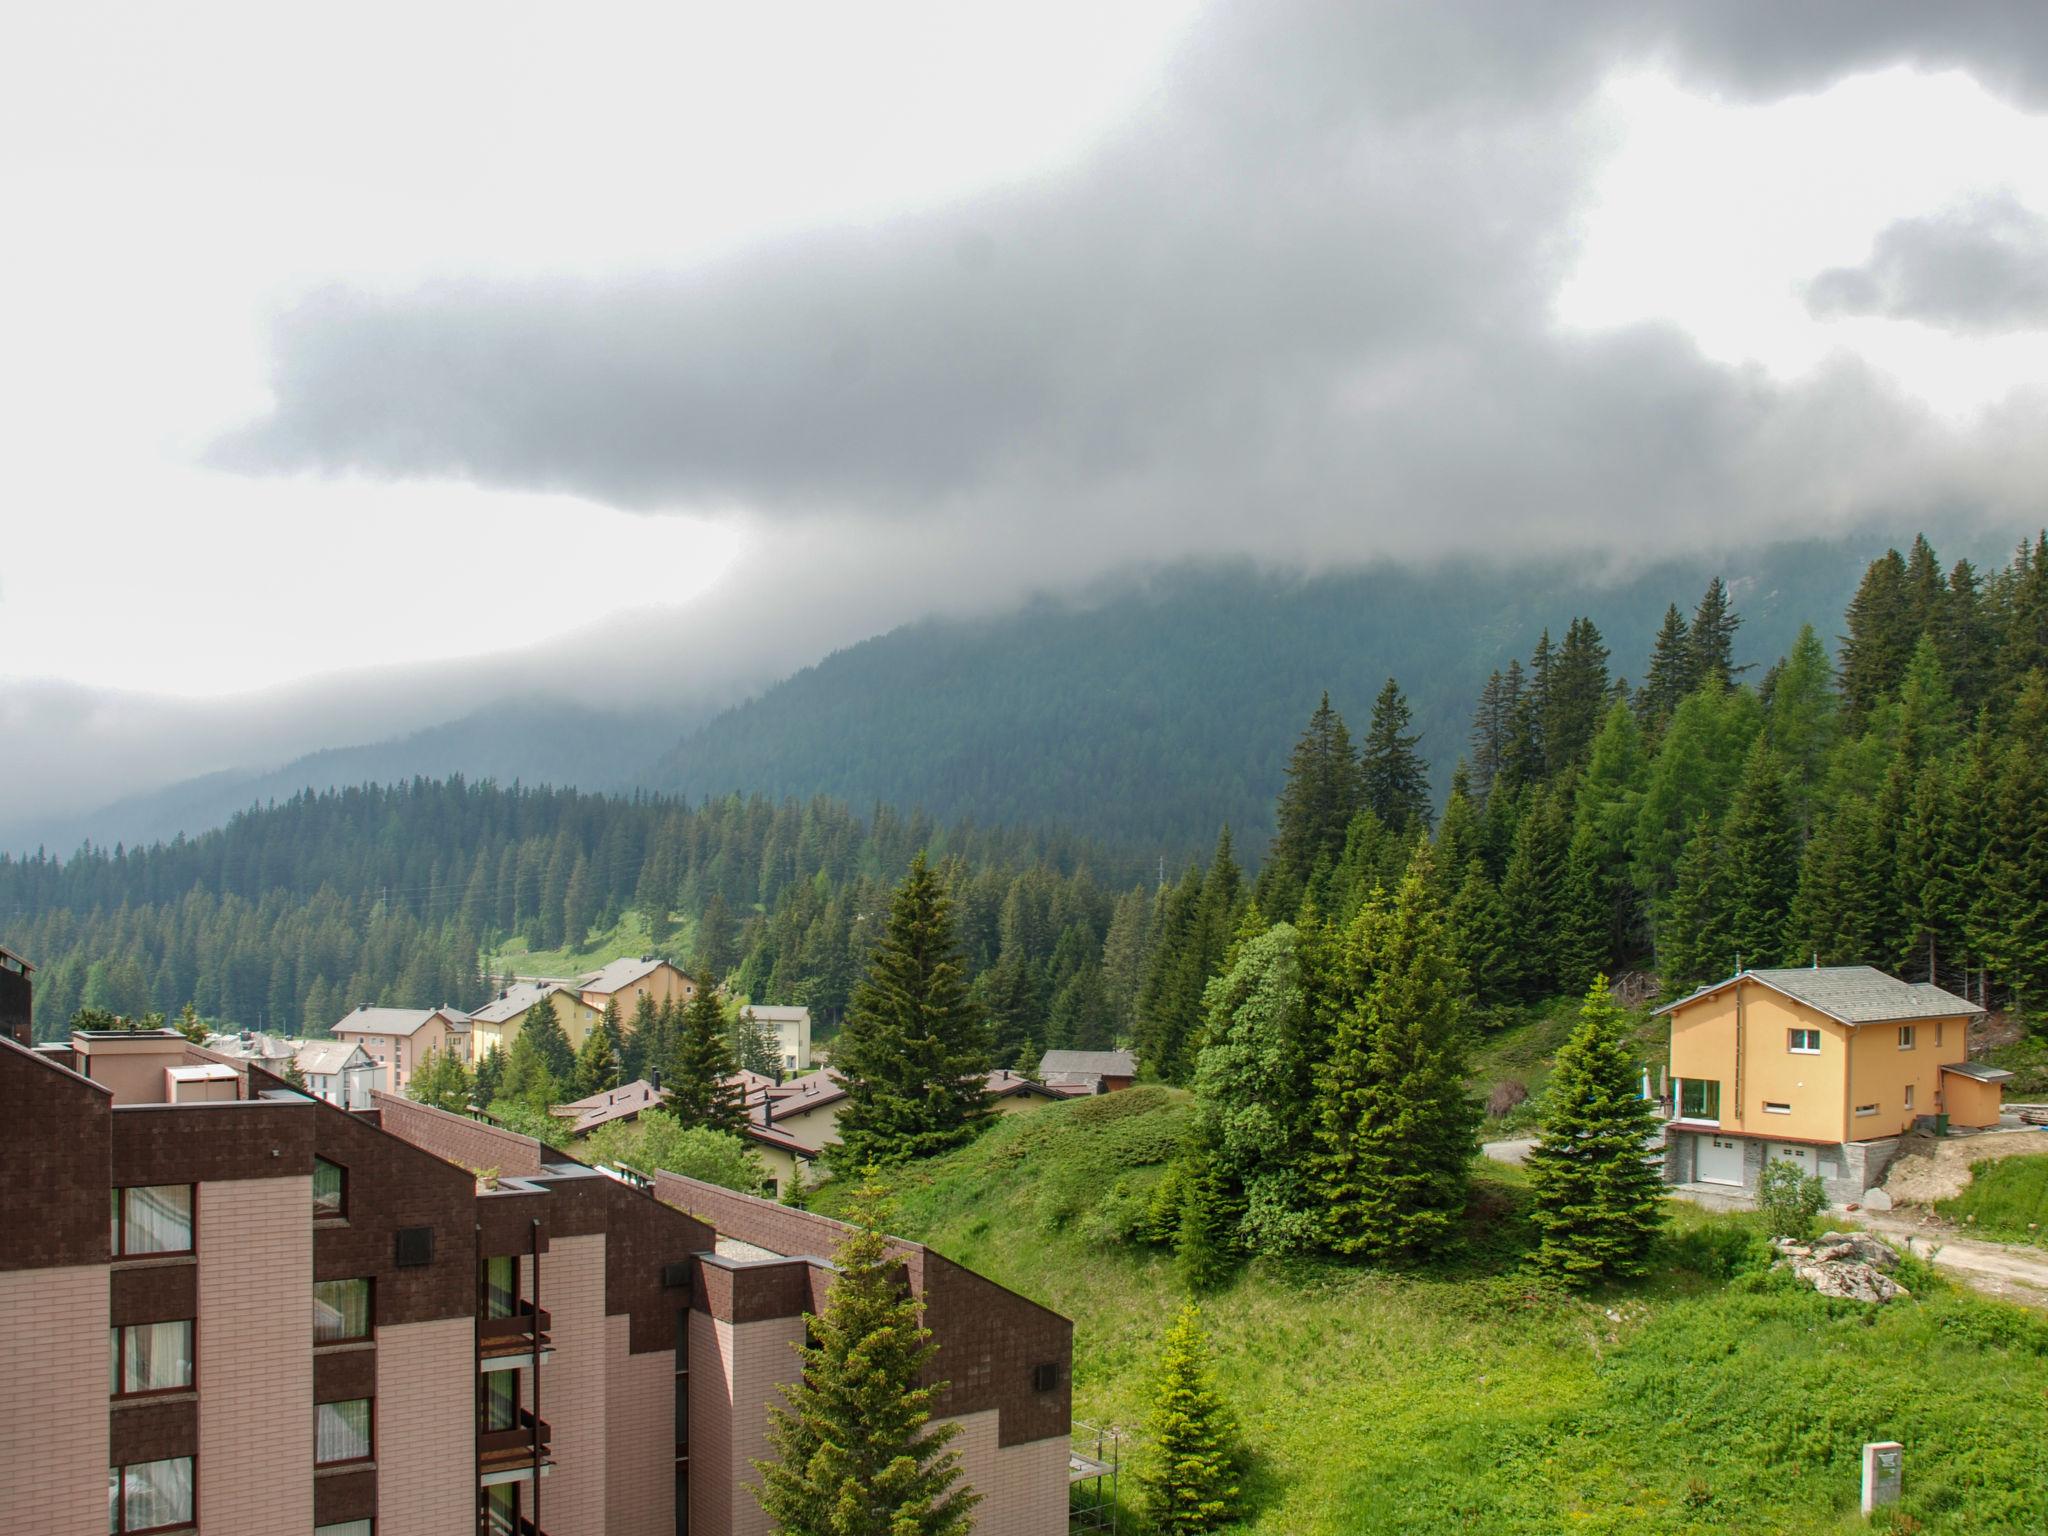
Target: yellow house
[[496, 1025], [627, 980], [1825, 1068]]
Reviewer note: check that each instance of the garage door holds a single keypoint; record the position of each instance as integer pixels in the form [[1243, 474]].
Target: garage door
[[1785, 1151], [1720, 1160]]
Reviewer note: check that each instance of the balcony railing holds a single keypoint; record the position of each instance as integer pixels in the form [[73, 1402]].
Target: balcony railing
[[525, 1332], [523, 1446]]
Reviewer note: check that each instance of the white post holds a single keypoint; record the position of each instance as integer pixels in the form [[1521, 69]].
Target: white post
[[1884, 1472]]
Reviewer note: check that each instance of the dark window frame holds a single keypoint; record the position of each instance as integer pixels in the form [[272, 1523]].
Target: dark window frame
[[369, 1311], [122, 1392], [120, 1525], [339, 1212], [120, 1223]]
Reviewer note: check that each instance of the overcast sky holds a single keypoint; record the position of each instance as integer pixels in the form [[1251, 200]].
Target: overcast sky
[[360, 362]]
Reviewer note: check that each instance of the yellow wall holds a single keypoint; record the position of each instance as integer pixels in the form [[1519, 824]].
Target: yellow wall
[[664, 983], [1859, 1065], [1010, 1103], [1968, 1102], [815, 1127], [782, 1166], [575, 1016]]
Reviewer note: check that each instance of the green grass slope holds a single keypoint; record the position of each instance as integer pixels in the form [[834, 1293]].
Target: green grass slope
[[1475, 1401], [2007, 1199]]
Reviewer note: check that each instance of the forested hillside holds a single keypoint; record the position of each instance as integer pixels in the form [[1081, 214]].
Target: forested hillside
[[1160, 711], [1890, 813]]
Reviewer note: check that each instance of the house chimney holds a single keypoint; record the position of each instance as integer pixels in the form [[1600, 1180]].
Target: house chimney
[[654, 1079], [767, 1111]]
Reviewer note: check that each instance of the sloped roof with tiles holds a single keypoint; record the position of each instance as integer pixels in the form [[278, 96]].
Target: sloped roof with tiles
[[1852, 994]]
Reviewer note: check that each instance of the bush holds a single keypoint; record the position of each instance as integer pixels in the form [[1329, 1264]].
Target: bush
[[1788, 1199], [1505, 1096], [1717, 1250]]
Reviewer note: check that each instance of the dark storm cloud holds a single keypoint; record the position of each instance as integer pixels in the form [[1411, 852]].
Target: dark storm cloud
[[1298, 306], [1983, 269]]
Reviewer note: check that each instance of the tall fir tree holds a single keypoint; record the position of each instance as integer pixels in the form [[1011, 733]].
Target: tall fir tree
[[1693, 942], [600, 1060], [1761, 849], [1598, 1200], [856, 1452], [1393, 777], [1191, 1475], [1578, 697], [1880, 639], [443, 1080], [1534, 894], [542, 1028], [913, 1051], [1396, 1132], [1322, 793], [1669, 678], [1710, 639], [1491, 723], [702, 1074]]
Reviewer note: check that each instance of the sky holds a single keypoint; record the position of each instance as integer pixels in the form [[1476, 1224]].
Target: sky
[[364, 366]]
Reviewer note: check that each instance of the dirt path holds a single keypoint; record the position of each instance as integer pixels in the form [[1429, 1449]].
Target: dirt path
[[1927, 1170], [2003, 1270]]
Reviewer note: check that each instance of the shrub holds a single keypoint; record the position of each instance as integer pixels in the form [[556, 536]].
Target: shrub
[[1788, 1199], [1718, 1250], [1505, 1096]]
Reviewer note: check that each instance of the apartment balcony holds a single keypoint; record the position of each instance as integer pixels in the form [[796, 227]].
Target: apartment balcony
[[507, 1343], [515, 1454]]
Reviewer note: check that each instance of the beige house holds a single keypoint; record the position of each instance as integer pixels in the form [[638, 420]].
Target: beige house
[[627, 980], [1825, 1068], [496, 1025], [339, 1071], [792, 1027], [396, 1039]]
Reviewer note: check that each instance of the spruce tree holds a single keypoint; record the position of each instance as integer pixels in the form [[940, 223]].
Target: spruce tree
[[527, 1078], [490, 1075], [1534, 895], [542, 1028], [755, 1046], [2015, 864], [1598, 1198], [1491, 722], [855, 1450], [1396, 1132], [1190, 1476], [1761, 850], [1322, 793], [1710, 640], [442, 1080], [599, 1059], [701, 1069], [635, 1063], [1484, 941], [913, 1052], [1693, 943], [1394, 780], [1880, 638], [1578, 696], [1670, 675]]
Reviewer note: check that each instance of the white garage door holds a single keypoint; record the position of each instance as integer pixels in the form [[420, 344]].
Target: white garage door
[[1787, 1152], [1720, 1160]]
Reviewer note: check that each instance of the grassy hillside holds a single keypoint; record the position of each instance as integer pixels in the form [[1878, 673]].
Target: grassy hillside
[[1522, 1051], [2007, 1199], [1475, 1401]]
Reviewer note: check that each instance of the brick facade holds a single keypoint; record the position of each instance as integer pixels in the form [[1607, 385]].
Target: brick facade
[[640, 1450], [426, 1403], [53, 1414]]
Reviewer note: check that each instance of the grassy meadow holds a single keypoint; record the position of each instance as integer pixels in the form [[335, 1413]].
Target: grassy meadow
[[2007, 1199], [1715, 1397]]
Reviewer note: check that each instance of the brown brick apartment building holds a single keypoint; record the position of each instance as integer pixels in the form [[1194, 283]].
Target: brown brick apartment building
[[473, 1332]]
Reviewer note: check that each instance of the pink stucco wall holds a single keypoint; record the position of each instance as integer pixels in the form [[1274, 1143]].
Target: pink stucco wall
[[53, 1412], [426, 1405]]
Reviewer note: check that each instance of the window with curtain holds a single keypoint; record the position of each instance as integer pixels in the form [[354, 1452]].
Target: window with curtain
[[150, 1495], [330, 1188], [153, 1219], [151, 1357], [341, 1431], [501, 1509], [341, 1310], [501, 1287]]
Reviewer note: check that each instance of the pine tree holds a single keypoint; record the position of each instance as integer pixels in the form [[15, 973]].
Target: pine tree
[[1533, 893], [701, 1069], [913, 1051], [755, 1046], [1483, 939], [1801, 724], [1670, 675], [856, 1452], [1190, 1478], [1396, 1133], [1323, 792], [1599, 1200], [442, 1080], [490, 1076], [2015, 864], [527, 1079], [600, 1060], [1577, 698], [1962, 636], [1880, 639], [1710, 641], [1205, 1245], [714, 941], [635, 1063], [1693, 942], [542, 1028], [1393, 778], [1491, 723], [1761, 851]]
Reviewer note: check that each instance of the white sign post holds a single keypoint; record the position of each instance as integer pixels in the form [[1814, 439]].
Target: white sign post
[[1884, 1472]]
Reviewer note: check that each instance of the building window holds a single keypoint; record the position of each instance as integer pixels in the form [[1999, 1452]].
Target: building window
[[341, 1432], [1699, 1099], [1909, 1095], [501, 1509], [1866, 1109], [150, 1357], [341, 1311], [501, 1287], [330, 1188], [501, 1400], [1803, 1042], [1776, 1109], [1938, 1030], [347, 1528], [150, 1495], [1906, 1037], [156, 1219]]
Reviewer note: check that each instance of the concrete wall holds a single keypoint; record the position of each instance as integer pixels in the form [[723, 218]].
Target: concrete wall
[[255, 1363], [1845, 1169], [425, 1415], [640, 1451], [53, 1413], [572, 1385], [1023, 1488]]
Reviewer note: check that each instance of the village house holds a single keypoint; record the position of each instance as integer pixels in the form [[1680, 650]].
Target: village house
[[1823, 1067], [497, 1024], [339, 1071], [398, 1039], [1088, 1071], [792, 1030], [628, 979]]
